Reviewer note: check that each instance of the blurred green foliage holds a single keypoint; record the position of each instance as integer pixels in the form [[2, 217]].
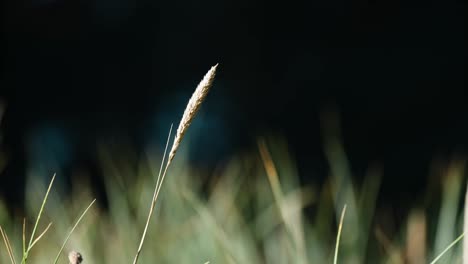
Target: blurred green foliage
[[251, 210]]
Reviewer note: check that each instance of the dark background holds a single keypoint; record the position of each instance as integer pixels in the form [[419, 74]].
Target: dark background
[[80, 72]]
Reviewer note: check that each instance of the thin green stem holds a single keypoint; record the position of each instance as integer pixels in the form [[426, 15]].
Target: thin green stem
[[71, 231], [154, 199], [448, 248], [340, 227], [25, 255]]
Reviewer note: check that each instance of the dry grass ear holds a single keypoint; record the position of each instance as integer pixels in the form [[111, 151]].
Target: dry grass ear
[[192, 108]]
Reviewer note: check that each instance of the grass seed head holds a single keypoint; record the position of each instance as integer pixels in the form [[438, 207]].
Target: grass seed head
[[192, 108]]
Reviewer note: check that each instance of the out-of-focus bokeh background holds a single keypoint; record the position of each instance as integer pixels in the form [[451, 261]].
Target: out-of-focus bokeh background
[[367, 91]]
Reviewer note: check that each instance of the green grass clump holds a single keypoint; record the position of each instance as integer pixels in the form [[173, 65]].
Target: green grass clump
[[233, 218], [33, 240]]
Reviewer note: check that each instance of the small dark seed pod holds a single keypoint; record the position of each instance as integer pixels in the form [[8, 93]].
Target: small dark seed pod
[[75, 257]]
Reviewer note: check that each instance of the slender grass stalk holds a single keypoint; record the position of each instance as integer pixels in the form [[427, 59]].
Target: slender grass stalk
[[340, 227], [153, 201], [71, 231], [8, 246], [191, 109], [158, 180], [39, 237], [24, 235], [26, 252], [458, 239]]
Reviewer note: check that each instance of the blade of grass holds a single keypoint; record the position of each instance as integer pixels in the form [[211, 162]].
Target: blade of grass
[[465, 228], [459, 238], [39, 237], [416, 237], [24, 235], [340, 227], [389, 248], [273, 178], [8, 246], [220, 234], [71, 231], [25, 255], [448, 213]]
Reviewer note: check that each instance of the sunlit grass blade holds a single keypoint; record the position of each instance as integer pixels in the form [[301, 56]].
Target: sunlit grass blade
[[459, 238], [465, 229], [8, 246], [292, 227], [24, 235], [71, 231], [338, 236], [25, 255], [39, 237]]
